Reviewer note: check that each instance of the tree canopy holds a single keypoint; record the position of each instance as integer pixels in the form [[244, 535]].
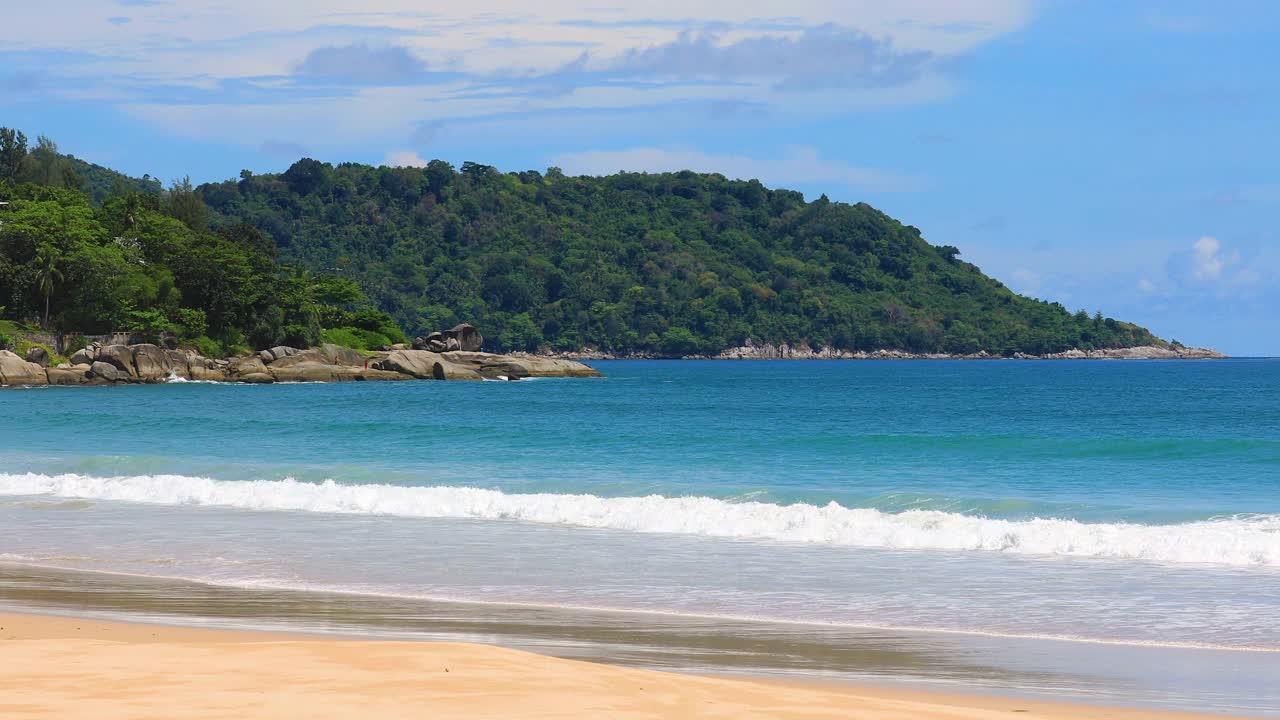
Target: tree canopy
[[672, 263], [148, 262]]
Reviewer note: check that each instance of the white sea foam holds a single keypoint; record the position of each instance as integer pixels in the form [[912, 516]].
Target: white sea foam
[[1244, 541]]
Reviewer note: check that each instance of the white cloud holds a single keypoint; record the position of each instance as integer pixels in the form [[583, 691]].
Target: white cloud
[[1207, 261], [798, 165], [1211, 268], [404, 158], [230, 64], [361, 64], [450, 29]]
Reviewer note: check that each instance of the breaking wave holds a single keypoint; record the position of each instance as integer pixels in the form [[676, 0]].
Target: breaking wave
[[1240, 541]]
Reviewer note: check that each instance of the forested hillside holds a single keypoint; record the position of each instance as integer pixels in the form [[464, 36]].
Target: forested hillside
[[673, 263], [149, 262]]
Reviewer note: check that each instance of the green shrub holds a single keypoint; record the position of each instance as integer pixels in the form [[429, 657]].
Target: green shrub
[[346, 337], [206, 346], [151, 322], [357, 338], [6, 341], [678, 341], [24, 346], [376, 321], [191, 323]]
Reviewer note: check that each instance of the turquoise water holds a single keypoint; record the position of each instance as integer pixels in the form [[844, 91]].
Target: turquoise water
[[1134, 503]]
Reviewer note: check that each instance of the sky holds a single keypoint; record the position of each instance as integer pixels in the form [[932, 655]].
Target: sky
[[1113, 156]]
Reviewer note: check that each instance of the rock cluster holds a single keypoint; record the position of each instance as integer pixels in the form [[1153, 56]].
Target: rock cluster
[[804, 352], [751, 351], [461, 338], [145, 363], [427, 365], [1146, 352]]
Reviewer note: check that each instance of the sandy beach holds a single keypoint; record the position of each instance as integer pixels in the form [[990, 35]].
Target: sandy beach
[[59, 667]]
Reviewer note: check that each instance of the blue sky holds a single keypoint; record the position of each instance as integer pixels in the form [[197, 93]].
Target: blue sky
[[1113, 156]]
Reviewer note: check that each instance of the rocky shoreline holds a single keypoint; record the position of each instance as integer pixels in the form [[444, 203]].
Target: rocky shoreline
[[145, 363], [804, 352]]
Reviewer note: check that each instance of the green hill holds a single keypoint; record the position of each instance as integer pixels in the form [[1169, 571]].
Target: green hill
[[673, 264], [44, 165], [676, 263]]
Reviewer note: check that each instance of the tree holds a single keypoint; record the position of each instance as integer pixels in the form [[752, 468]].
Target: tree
[[185, 204], [307, 176], [13, 154], [48, 274]]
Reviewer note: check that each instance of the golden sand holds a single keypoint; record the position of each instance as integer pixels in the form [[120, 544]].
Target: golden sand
[[54, 667]]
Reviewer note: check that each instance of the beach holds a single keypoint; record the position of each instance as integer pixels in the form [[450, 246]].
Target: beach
[[1008, 530], [64, 667]]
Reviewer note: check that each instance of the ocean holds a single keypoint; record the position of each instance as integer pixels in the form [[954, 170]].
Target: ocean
[[1083, 529]]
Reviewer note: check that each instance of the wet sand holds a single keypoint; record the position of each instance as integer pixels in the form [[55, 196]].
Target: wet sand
[[1055, 672], [64, 667]]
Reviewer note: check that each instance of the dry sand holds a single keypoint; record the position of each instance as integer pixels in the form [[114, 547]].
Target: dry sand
[[53, 667]]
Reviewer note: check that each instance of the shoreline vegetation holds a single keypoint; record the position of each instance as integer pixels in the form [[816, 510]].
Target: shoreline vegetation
[[629, 265], [83, 667]]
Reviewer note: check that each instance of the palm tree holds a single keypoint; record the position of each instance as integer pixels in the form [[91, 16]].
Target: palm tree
[[47, 275]]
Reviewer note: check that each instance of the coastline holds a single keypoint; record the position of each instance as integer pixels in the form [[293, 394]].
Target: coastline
[[805, 352], [82, 667], [147, 363]]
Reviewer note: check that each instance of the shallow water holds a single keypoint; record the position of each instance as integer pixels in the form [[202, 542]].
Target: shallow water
[[1131, 505]]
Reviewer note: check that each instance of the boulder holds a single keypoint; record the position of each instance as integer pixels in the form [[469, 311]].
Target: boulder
[[251, 365], [302, 357], [550, 367], [107, 371], [169, 341], [181, 361], [120, 356], [38, 355], [151, 363], [503, 368], [68, 376], [256, 378], [207, 374], [194, 366], [433, 343], [84, 356], [17, 371], [468, 337], [426, 365], [275, 353], [464, 337], [380, 375], [314, 372], [338, 355], [414, 363]]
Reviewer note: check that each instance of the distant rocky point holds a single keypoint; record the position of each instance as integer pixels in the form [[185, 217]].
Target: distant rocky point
[[802, 351], [146, 363]]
